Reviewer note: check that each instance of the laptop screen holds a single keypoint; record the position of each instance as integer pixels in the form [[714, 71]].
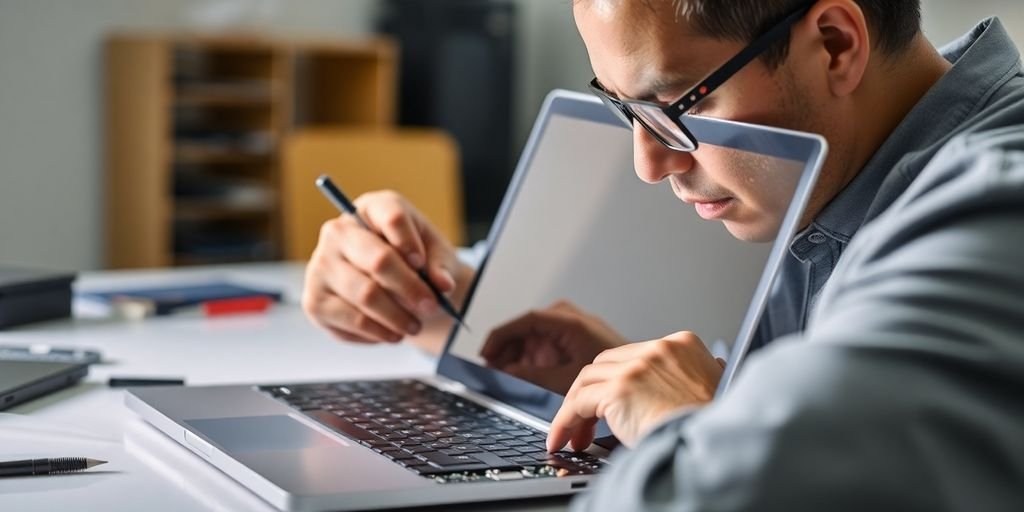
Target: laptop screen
[[579, 231]]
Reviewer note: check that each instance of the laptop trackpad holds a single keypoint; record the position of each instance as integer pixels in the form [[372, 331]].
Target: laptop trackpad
[[262, 433], [301, 459]]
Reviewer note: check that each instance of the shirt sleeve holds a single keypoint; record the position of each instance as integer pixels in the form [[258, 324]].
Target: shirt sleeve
[[903, 394]]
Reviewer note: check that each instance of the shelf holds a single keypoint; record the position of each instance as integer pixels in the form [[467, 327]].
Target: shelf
[[221, 99], [195, 127], [187, 154], [225, 93], [219, 209]]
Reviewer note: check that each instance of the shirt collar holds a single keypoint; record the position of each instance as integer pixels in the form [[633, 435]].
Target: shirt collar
[[983, 59]]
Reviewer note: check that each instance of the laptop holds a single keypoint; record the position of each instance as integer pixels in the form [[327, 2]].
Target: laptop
[[576, 227]]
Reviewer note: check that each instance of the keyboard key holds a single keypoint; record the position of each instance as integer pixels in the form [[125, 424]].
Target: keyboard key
[[440, 459], [402, 443], [416, 448], [461, 448], [345, 427], [494, 461]]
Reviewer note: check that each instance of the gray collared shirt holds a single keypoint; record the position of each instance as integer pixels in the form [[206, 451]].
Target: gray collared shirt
[[899, 387], [943, 113]]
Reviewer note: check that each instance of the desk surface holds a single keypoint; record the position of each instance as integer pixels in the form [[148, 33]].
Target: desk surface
[[148, 471]]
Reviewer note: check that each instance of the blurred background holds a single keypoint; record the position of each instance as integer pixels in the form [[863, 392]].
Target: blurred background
[[149, 133]]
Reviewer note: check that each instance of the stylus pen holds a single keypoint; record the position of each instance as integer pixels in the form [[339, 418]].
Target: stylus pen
[[29, 467], [337, 197]]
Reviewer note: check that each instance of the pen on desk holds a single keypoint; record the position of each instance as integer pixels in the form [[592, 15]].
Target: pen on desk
[[337, 197], [29, 467], [124, 382]]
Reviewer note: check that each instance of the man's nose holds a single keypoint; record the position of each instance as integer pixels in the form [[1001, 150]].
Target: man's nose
[[653, 161]]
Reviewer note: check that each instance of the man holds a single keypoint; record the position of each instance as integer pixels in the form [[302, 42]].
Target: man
[[896, 385]]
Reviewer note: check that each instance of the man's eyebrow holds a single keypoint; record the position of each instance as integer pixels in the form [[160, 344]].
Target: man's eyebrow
[[664, 86], [667, 86]]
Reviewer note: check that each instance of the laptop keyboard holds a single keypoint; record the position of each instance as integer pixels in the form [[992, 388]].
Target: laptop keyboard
[[431, 432]]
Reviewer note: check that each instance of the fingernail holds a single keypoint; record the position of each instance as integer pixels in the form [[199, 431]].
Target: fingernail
[[413, 328], [415, 260], [427, 307]]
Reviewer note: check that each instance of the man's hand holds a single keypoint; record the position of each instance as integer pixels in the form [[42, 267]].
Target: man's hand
[[364, 289], [635, 387], [549, 347]]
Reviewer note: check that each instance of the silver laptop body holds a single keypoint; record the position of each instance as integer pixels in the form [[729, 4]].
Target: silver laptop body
[[574, 212]]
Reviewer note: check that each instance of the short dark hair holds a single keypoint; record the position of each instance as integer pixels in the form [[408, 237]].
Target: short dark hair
[[894, 23]]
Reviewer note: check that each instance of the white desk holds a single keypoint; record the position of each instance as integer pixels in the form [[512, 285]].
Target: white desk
[[148, 471]]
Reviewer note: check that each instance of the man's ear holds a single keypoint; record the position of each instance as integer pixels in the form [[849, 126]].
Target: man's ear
[[844, 42]]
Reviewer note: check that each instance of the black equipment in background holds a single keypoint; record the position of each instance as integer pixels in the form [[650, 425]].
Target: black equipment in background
[[456, 74]]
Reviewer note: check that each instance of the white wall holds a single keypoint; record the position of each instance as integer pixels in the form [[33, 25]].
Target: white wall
[[945, 20], [50, 98], [551, 55]]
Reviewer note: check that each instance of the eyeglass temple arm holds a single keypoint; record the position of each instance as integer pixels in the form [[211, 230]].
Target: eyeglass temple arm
[[759, 46]]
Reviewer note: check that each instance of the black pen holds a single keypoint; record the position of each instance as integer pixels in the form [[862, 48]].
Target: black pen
[[123, 382], [337, 197], [29, 467]]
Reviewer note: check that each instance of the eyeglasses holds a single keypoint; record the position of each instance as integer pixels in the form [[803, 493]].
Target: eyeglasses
[[665, 122]]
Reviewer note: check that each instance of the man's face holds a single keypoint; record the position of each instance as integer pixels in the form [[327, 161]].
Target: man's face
[[641, 50]]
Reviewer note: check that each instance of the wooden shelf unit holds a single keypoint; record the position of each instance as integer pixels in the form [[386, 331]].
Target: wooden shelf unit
[[193, 128]]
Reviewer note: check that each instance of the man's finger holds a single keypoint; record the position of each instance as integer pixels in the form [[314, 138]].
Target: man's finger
[[343, 335], [396, 225], [336, 313], [372, 300], [584, 435], [373, 257], [576, 412], [442, 266]]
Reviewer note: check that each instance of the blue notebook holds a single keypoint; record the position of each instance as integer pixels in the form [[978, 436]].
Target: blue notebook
[[167, 299]]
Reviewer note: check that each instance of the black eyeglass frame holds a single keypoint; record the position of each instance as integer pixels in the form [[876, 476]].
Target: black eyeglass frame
[[675, 111]]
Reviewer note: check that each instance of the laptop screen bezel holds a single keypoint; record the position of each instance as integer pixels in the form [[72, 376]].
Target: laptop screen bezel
[[538, 401]]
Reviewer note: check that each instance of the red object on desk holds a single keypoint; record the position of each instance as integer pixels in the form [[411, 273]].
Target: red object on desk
[[255, 304]]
